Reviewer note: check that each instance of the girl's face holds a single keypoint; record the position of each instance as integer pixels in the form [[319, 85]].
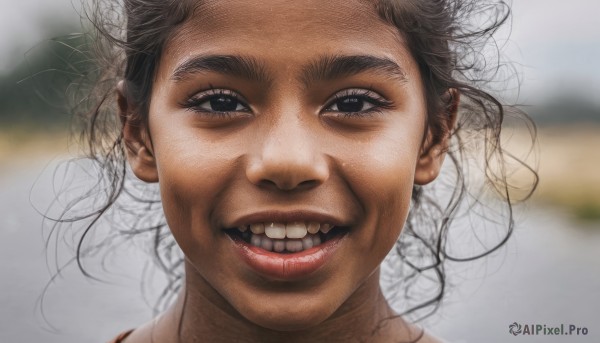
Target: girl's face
[[289, 115]]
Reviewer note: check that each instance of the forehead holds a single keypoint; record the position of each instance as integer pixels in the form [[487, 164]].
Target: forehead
[[310, 15], [276, 29]]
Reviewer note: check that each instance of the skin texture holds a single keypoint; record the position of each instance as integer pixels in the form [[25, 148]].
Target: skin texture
[[287, 148]]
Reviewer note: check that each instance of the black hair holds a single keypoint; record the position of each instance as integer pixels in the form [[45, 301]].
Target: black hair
[[449, 39]]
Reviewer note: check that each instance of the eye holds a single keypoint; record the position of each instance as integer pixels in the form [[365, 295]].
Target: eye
[[351, 104], [221, 103], [357, 102], [218, 101]]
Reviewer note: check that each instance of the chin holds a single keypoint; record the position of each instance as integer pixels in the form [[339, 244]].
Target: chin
[[286, 319]]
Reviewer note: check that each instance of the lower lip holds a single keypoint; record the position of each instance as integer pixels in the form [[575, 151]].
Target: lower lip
[[287, 266]]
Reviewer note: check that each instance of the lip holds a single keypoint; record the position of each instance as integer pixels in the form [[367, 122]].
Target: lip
[[287, 267], [287, 217]]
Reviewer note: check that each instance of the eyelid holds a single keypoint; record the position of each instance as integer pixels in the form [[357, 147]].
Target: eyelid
[[193, 102], [369, 95], [206, 94]]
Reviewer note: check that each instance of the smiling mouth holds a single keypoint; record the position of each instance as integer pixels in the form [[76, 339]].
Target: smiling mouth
[[286, 238]]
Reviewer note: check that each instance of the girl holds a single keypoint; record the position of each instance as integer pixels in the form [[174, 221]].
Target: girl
[[291, 141]]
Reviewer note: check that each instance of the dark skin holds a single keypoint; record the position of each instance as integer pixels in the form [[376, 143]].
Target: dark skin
[[295, 135]]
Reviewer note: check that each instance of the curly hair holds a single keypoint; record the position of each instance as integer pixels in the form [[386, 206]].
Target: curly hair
[[452, 42]]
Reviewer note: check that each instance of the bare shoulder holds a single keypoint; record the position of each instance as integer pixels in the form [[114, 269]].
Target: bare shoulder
[[143, 334], [429, 338], [410, 332]]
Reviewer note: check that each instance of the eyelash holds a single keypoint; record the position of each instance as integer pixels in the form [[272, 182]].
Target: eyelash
[[195, 102], [378, 102]]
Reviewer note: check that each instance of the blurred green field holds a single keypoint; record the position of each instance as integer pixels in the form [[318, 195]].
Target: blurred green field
[[21, 145], [569, 169], [568, 158]]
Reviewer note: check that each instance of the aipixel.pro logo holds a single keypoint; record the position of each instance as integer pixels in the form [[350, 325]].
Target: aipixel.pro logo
[[516, 329]]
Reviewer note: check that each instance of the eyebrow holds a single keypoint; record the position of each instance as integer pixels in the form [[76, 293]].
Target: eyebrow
[[329, 67], [234, 65], [326, 67]]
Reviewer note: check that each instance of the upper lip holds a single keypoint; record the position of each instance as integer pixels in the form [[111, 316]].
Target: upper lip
[[279, 216]]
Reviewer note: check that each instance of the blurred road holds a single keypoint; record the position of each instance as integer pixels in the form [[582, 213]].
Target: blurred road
[[548, 274]]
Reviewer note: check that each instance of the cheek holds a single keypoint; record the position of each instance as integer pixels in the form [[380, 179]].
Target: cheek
[[382, 176], [191, 179]]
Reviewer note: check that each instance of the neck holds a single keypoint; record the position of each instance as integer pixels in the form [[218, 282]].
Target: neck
[[200, 314]]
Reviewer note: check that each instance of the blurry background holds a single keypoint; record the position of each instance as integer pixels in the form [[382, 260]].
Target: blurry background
[[548, 273]]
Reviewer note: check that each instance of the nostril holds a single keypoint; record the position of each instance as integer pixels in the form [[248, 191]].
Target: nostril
[[308, 184], [287, 175], [265, 183], [287, 185]]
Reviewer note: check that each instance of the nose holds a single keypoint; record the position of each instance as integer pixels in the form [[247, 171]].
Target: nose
[[289, 158]]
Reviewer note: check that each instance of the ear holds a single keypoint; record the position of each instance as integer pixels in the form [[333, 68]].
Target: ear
[[432, 156], [136, 138]]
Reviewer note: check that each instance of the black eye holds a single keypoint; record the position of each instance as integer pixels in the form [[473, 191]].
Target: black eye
[[221, 103]]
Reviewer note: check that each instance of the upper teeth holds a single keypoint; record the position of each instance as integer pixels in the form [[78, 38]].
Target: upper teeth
[[289, 230]]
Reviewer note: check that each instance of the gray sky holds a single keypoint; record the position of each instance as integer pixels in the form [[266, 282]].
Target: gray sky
[[559, 42], [23, 23], [556, 42]]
